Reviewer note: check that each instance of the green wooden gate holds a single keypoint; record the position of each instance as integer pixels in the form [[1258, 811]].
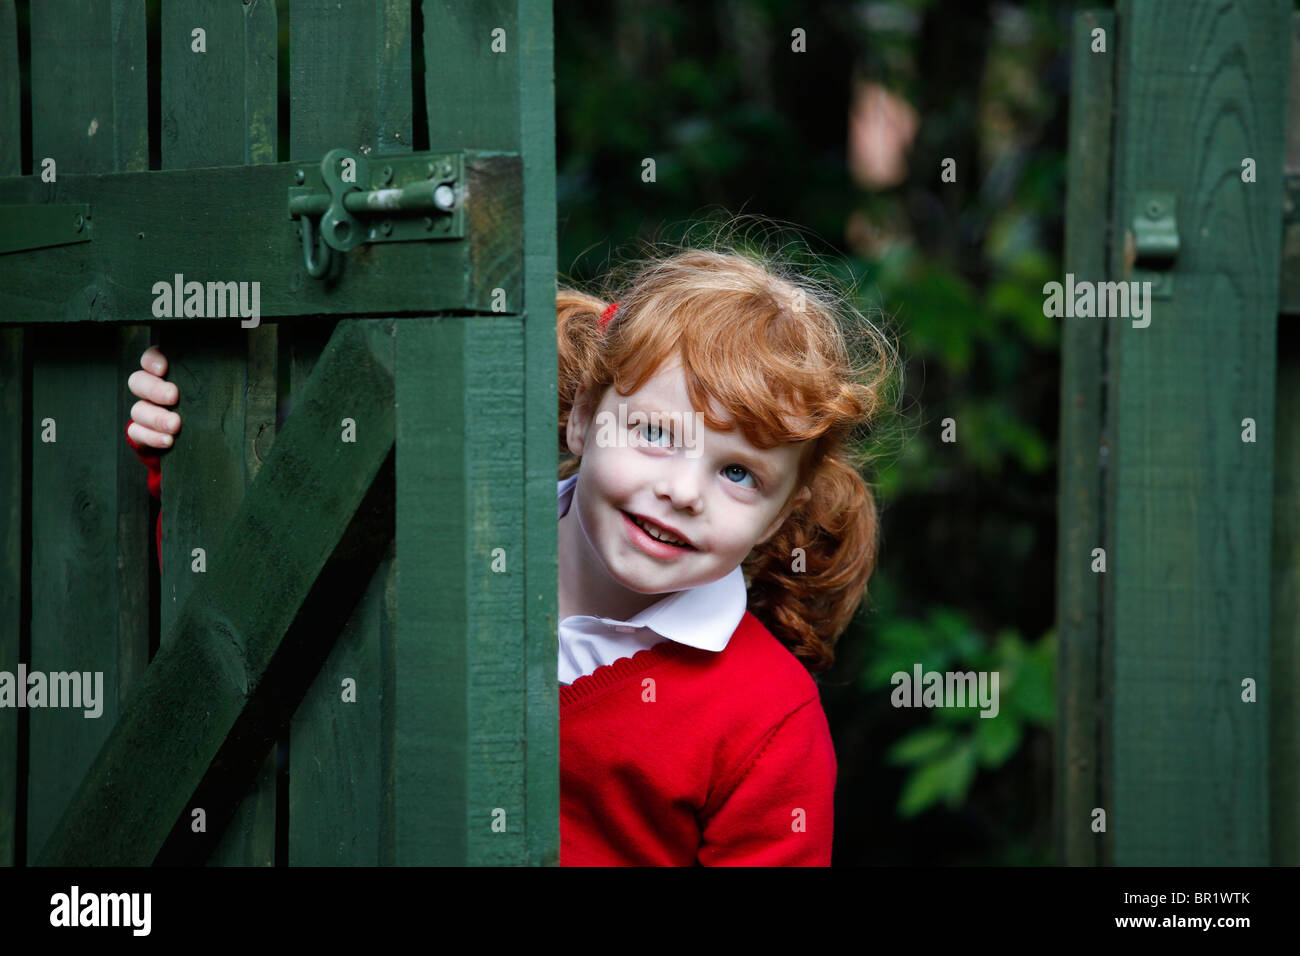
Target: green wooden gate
[[389, 536], [1184, 163]]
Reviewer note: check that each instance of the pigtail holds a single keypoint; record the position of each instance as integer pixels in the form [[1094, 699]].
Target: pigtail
[[581, 355], [807, 597]]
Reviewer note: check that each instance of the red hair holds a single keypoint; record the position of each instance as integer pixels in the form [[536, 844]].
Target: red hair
[[773, 351]]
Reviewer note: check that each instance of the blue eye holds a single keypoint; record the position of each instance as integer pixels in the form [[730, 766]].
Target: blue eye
[[744, 472], [659, 433]]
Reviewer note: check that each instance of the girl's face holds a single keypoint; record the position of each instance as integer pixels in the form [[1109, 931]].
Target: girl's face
[[657, 469]]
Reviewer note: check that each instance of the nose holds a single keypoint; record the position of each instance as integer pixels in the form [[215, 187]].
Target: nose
[[681, 485]]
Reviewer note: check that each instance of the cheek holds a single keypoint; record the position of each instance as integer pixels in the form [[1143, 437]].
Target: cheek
[[619, 473]]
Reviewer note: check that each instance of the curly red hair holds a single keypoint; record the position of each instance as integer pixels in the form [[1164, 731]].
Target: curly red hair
[[772, 349]]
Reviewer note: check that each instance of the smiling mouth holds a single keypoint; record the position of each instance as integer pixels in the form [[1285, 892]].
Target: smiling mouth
[[661, 535]]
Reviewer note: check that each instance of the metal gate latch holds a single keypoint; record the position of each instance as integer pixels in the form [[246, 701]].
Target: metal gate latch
[[401, 198], [1155, 241]]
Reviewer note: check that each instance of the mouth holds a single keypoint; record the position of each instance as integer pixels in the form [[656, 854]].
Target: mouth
[[658, 534]]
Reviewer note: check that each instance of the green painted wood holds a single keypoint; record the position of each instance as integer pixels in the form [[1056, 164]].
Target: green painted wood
[[1188, 503], [199, 687], [460, 658], [541, 638], [468, 713], [13, 504], [10, 93], [217, 108], [1284, 659], [89, 550], [235, 227], [339, 751], [338, 768], [1079, 480]]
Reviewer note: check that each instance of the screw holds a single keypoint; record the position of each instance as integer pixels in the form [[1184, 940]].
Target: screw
[[386, 176], [78, 223], [1153, 210], [444, 197], [300, 176], [428, 223], [386, 227], [428, 170], [444, 168]]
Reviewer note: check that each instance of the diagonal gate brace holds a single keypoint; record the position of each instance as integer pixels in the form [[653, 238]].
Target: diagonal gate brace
[[218, 676]]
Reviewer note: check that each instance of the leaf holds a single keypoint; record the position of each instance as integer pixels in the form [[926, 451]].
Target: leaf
[[947, 779], [996, 738], [923, 744]]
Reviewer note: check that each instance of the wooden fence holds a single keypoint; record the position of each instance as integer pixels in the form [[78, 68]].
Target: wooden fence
[[1180, 442], [353, 656]]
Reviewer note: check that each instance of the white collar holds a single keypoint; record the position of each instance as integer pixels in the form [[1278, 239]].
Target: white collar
[[703, 617]]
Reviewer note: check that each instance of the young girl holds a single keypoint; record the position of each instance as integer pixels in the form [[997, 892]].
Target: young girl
[[714, 542]]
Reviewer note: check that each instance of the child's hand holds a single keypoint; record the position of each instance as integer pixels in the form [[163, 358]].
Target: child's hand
[[150, 424]]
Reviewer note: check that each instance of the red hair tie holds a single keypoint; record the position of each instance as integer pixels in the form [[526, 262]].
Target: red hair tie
[[608, 314]]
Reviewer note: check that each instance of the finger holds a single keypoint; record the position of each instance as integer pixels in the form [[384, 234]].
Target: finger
[[158, 419], [147, 436], [151, 388], [154, 361]]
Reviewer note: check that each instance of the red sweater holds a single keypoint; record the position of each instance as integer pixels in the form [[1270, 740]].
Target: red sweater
[[677, 756], [153, 460], [730, 764]]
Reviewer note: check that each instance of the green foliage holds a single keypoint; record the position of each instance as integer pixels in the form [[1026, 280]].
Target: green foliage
[[944, 753]]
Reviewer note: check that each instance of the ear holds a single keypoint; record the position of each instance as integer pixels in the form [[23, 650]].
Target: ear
[[575, 432], [794, 502]]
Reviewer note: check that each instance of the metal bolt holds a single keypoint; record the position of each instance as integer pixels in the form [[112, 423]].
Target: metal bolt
[[300, 176], [386, 227], [444, 197], [78, 222], [444, 168], [386, 176], [428, 224], [1153, 210], [428, 170]]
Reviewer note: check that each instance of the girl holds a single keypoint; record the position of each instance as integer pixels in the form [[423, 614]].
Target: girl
[[714, 542]]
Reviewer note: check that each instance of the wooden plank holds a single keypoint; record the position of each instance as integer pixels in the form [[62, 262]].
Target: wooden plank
[[13, 501], [1079, 478], [1189, 503], [541, 637], [218, 108], [339, 753], [199, 687], [11, 157], [235, 226], [90, 507], [1284, 658], [476, 718], [13, 505], [461, 664]]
